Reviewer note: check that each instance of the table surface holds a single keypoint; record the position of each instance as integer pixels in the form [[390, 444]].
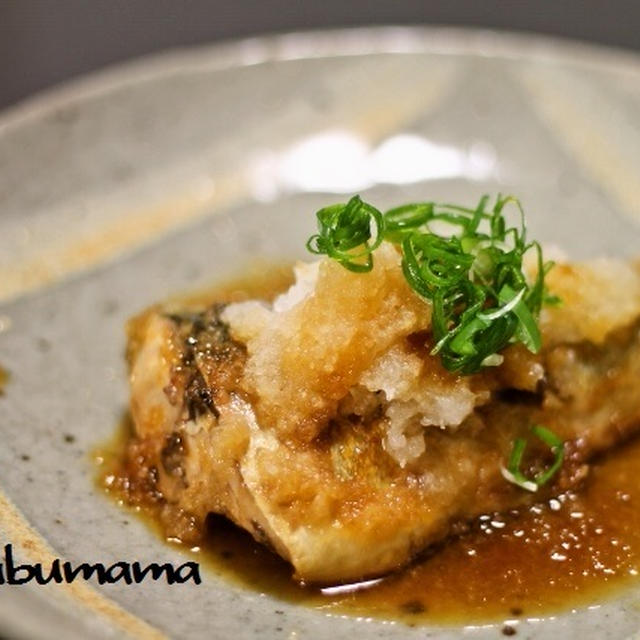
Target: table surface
[[43, 43]]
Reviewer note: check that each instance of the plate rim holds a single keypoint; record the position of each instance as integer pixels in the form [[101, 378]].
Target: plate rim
[[320, 43]]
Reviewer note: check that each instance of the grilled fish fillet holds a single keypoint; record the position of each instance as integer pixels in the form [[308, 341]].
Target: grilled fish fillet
[[321, 424]]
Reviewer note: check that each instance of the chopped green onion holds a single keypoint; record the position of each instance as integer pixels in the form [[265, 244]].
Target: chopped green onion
[[513, 474], [466, 262], [345, 234], [408, 216]]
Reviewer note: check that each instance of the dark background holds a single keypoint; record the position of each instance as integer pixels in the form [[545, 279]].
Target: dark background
[[43, 42]]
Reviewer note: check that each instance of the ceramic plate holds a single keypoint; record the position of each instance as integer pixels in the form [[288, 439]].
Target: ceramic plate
[[173, 172]]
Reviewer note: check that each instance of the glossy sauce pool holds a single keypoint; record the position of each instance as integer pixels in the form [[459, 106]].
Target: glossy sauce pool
[[574, 551]]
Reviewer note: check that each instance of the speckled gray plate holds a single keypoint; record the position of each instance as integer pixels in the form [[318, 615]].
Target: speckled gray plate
[[166, 174]]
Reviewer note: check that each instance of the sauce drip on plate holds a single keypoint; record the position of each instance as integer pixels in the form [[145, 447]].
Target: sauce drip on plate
[[4, 378]]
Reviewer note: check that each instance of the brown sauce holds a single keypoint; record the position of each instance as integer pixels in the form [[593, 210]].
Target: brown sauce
[[572, 552], [4, 378], [258, 280]]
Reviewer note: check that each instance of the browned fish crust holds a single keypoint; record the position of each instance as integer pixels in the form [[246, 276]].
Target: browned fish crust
[[335, 502]]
